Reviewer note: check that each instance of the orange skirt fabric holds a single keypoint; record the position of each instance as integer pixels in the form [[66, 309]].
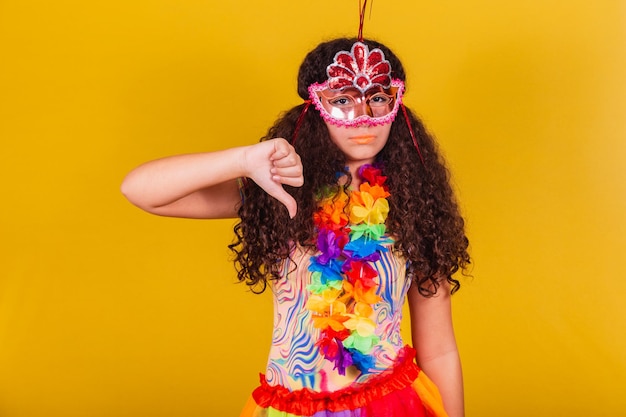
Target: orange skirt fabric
[[402, 391]]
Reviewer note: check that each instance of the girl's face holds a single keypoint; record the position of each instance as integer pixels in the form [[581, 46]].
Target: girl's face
[[360, 144]]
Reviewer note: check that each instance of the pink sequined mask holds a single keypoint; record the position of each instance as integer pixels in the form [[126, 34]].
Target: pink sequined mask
[[359, 90]]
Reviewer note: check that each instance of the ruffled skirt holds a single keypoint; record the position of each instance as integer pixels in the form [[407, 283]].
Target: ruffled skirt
[[402, 391]]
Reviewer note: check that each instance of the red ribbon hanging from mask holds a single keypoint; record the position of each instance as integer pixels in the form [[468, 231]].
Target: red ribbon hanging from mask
[[362, 18]]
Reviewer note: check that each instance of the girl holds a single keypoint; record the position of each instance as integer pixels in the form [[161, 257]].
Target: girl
[[345, 209]]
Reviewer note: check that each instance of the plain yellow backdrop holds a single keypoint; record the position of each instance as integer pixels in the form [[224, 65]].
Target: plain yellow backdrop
[[106, 311]]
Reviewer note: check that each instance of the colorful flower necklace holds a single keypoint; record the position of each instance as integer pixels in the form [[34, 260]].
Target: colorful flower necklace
[[350, 234]]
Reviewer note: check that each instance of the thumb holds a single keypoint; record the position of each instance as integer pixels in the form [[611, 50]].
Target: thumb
[[286, 199]]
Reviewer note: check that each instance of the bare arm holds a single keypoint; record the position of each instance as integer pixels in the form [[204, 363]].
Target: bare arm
[[203, 185], [434, 341]]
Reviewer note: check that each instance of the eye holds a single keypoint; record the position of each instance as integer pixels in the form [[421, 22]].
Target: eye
[[341, 101], [380, 99]]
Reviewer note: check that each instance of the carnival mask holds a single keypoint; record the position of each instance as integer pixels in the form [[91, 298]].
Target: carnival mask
[[359, 90]]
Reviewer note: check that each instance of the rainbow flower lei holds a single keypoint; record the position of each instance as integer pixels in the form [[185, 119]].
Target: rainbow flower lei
[[350, 233]]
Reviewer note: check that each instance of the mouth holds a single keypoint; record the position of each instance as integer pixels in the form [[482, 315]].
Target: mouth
[[363, 139]]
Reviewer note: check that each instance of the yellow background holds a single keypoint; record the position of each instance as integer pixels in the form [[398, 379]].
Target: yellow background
[[106, 311]]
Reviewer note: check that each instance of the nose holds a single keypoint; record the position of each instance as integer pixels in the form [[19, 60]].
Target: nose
[[362, 107]]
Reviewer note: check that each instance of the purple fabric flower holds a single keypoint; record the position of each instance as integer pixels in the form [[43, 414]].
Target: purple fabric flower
[[342, 360], [327, 244]]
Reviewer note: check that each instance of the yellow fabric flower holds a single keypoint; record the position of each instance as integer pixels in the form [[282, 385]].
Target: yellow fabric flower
[[324, 302], [360, 321], [367, 209], [363, 326]]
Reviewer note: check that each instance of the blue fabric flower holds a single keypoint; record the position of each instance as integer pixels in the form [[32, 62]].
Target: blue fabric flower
[[362, 361], [331, 271], [364, 248]]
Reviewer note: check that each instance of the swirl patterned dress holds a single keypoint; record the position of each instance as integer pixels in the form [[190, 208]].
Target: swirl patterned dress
[[336, 349]]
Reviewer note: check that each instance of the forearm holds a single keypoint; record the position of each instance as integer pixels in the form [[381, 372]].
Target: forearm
[[445, 372], [203, 185], [165, 181]]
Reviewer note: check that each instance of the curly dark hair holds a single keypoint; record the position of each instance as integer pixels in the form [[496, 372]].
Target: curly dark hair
[[424, 217]]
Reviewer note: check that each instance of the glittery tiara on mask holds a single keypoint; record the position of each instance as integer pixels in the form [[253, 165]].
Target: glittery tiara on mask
[[359, 68]]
